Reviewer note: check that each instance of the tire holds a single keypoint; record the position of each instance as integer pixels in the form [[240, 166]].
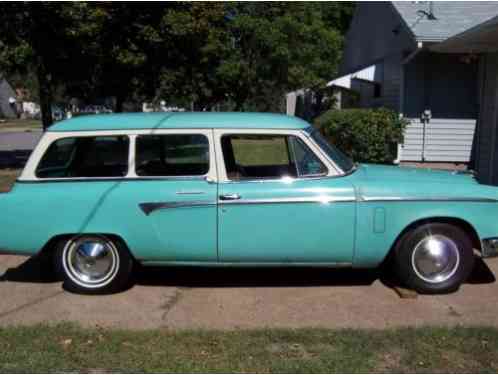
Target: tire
[[434, 258], [93, 264]]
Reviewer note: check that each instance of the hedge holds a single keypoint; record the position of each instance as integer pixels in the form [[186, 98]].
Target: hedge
[[367, 135]]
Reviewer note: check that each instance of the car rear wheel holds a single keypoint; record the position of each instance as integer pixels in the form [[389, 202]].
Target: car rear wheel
[[93, 264], [434, 258]]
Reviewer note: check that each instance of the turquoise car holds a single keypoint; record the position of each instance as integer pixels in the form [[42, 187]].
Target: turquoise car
[[106, 192]]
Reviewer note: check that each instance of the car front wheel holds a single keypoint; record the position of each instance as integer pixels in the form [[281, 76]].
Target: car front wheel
[[93, 264], [434, 258]]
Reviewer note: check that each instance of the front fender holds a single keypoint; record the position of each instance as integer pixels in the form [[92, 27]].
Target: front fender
[[380, 223]]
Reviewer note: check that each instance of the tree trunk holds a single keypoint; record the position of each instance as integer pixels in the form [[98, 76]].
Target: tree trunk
[[45, 91], [119, 103]]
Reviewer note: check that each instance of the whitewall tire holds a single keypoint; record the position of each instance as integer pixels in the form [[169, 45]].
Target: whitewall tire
[[93, 264]]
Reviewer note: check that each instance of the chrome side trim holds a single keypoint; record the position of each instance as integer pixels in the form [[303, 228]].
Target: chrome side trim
[[149, 207], [427, 199], [247, 264], [188, 192], [316, 199]]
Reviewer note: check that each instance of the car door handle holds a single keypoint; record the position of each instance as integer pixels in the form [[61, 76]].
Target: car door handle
[[229, 197]]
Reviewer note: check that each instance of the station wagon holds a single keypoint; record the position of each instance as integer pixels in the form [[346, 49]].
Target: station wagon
[[106, 192]]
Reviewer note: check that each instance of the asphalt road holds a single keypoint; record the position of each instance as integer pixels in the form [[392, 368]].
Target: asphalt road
[[10, 141], [179, 298], [15, 147]]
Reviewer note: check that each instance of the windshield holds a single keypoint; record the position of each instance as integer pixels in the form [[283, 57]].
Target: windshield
[[342, 161]]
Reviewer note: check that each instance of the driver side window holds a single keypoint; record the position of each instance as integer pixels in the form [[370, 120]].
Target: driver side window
[[255, 156]]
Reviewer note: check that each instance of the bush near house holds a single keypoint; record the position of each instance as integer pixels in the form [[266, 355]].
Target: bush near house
[[367, 135]]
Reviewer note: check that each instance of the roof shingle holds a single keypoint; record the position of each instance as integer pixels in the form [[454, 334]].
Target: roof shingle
[[452, 17]]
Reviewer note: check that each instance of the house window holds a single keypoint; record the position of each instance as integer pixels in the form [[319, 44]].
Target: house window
[[172, 155], [249, 157], [105, 156]]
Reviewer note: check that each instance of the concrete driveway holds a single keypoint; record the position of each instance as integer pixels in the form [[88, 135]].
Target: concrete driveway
[[242, 298]]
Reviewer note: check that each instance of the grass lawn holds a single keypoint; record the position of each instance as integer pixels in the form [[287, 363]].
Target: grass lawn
[[17, 124], [67, 348], [7, 178]]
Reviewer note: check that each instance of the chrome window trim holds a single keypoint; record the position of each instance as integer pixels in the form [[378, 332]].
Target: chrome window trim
[[28, 173], [271, 178], [332, 170], [307, 133], [287, 180], [204, 134], [122, 179], [128, 165]]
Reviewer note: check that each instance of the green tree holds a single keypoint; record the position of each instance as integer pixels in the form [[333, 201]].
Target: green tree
[[250, 54], [199, 42], [46, 38], [243, 56], [131, 51]]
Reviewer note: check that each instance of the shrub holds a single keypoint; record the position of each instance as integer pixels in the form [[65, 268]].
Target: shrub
[[367, 135]]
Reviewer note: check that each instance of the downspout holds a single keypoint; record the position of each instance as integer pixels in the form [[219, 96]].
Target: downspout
[[412, 55], [405, 61]]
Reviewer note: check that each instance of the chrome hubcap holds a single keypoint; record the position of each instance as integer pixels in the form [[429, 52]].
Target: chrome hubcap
[[91, 261], [435, 258]]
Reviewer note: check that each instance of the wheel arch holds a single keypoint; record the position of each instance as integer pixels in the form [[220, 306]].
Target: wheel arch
[[51, 244], [458, 222]]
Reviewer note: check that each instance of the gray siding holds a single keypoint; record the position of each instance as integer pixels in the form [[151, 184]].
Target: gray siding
[[370, 37], [365, 91], [487, 140], [391, 83], [446, 140], [444, 83]]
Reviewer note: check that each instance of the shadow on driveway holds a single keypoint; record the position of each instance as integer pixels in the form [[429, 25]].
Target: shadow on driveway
[[204, 277], [39, 269], [36, 269]]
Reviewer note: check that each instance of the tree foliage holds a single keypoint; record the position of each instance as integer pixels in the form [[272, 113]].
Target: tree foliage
[[250, 54], [45, 39], [241, 56]]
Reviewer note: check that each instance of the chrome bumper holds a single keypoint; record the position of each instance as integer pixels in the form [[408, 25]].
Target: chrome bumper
[[489, 248]]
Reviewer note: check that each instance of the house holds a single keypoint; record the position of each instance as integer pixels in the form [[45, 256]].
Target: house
[[482, 40], [7, 100], [404, 56]]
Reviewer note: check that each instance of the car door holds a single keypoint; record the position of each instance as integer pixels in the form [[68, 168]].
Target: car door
[[176, 192], [279, 202]]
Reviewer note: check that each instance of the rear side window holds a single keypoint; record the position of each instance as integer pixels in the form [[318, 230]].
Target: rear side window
[[105, 156], [172, 155]]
